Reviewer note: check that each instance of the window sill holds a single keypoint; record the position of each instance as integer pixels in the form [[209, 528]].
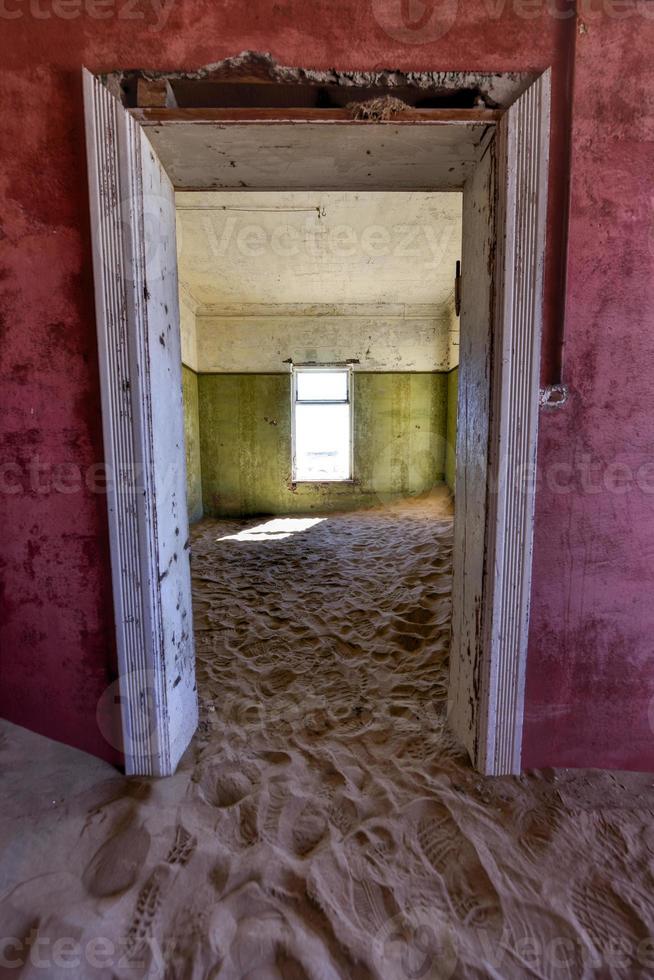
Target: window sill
[[323, 483]]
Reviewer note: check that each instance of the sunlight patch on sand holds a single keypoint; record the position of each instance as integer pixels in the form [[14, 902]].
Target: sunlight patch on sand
[[274, 530]]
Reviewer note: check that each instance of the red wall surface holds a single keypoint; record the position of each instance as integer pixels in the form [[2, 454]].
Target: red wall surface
[[590, 671], [590, 677]]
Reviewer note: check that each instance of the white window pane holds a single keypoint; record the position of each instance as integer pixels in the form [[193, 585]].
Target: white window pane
[[322, 442], [322, 385]]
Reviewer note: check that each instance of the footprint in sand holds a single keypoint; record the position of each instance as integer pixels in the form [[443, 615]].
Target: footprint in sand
[[248, 824], [365, 629], [452, 854], [555, 950], [608, 919], [374, 904], [419, 615], [115, 866], [277, 681], [255, 650], [223, 789], [375, 843], [351, 895], [148, 904], [308, 828], [275, 798], [535, 829], [408, 641]]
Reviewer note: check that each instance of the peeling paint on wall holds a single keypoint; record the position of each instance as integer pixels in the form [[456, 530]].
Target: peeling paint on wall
[[398, 439], [381, 337]]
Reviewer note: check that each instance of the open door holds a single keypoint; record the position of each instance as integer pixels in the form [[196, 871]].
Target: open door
[[504, 222], [135, 272]]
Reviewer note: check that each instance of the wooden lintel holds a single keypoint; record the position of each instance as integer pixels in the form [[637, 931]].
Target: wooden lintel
[[155, 116]]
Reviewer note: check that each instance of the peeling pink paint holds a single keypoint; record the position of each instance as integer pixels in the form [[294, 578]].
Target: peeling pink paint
[[590, 675]]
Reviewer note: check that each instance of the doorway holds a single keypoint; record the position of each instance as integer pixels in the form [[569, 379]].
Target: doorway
[[321, 340], [499, 160]]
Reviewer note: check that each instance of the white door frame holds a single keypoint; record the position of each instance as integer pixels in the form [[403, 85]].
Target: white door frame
[[492, 561], [132, 206], [522, 161], [157, 720]]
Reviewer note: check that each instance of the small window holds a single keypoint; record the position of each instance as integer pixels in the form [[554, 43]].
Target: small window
[[322, 424]]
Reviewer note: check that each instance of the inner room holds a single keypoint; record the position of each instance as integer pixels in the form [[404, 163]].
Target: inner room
[[291, 300], [320, 345], [320, 342]]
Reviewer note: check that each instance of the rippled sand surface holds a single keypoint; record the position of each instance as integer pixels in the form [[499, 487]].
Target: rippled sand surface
[[323, 823]]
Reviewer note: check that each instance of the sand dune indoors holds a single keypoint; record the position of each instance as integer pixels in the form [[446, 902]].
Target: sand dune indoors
[[323, 824]]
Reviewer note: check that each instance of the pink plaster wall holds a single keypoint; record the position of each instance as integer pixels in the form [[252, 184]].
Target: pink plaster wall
[[590, 679], [590, 673]]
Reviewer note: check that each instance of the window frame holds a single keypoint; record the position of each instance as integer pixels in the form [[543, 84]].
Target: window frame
[[297, 369]]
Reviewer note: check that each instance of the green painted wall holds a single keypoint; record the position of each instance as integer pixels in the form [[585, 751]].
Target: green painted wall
[[192, 442], [450, 451], [245, 442]]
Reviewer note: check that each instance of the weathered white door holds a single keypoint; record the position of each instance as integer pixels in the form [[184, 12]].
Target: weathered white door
[[135, 270], [477, 252], [504, 223]]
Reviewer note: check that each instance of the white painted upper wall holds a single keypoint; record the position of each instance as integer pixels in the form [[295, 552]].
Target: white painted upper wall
[[382, 337], [364, 248], [318, 277]]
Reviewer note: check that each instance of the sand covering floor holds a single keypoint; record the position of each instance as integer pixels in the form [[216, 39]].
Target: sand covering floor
[[323, 823]]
